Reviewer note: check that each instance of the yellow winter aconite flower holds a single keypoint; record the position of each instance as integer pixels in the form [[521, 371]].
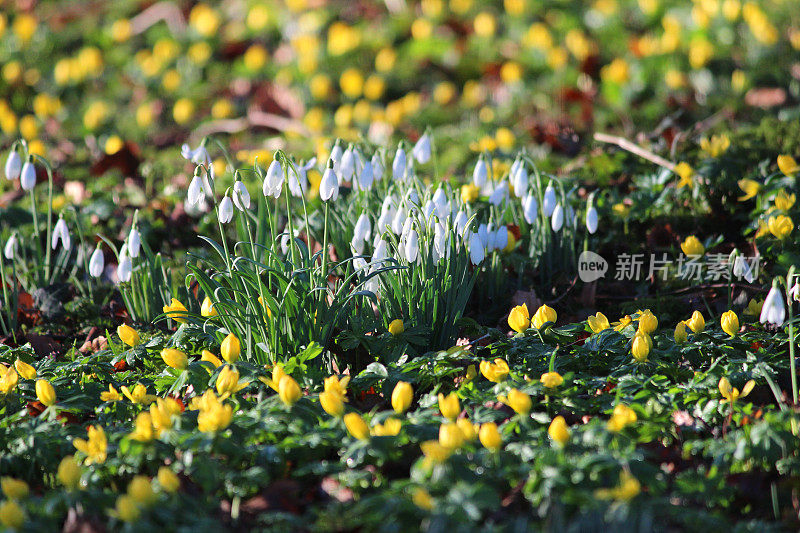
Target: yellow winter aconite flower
[[335, 385], [686, 174], [680, 335], [207, 309], [143, 428], [788, 165], [648, 322], [128, 335], [450, 435], [750, 188], [289, 391], [228, 382], [402, 396], [640, 347], [11, 515], [468, 429], [696, 323], [716, 145], [618, 71], [214, 415], [176, 311], [780, 226], [138, 394], [9, 380], [45, 392], [126, 509], [69, 472], [784, 201], [332, 403], [558, 430], [730, 323], [551, 380], [174, 358], [396, 327], [211, 358], [490, 436], [168, 480], [496, 371], [141, 490], [621, 417], [753, 307], [470, 193], [434, 451], [449, 405], [628, 488], [95, 447], [422, 499], [519, 401], [731, 393], [692, 247], [24, 369], [598, 322], [230, 349], [16, 489], [519, 319], [544, 315], [356, 426]]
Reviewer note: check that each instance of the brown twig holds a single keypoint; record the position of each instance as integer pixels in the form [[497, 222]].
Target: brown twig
[[625, 144], [166, 11]]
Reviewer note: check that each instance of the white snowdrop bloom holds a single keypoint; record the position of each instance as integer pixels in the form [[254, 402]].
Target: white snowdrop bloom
[[398, 221], [428, 209], [530, 208], [591, 219], [557, 220], [13, 165], [741, 269], [480, 173], [241, 198], [483, 233], [347, 167], [519, 179], [285, 242], [362, 228], [412, 197], [377, 167], [27, 176], [384, 220], [491, 239], [794, 292], [412, 246], [298, 178], [422, 150], [96, 263], [273, 183], [440, 240], [549, 202], [329, 185], [476, 251], [125, 266], [225, 210], [9, 250], [399, 164], [60, 233], [195, 190], [380, 252], [773, 310], [198, 156], [442, 204], [499, 194], [134, 242], [336, 156], [460, 222], [357, 246], [407, 226], [366, 178], [359, 263], [501, 237]]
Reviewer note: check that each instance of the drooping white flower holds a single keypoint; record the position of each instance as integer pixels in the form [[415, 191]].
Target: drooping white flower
[[557, 220], [198, 156], [483, 233], [480, 173], [381, 251], [499, 194], [428, 209], [336, 156], [9, 250], [422, 150], [773, 310], [329, 185], [460, 222], [225, 210], [134, 242], [501, 237], [273, 183], [519, 179], [741, 269], [298, 177], [440, 242], [385, 220], [366, 177], [60, 233], [412, 246], [407, 226], [476, 249], [412, 197], [398, 221], [195, 191], [377, 166], [13, 165], [549, 202], [241, 198], [96, 263], [347, 167], [362, 229], [530, 208], [399, 164], [591, 219], [285, 241], [794, 292], [27, 176], [125, 266]]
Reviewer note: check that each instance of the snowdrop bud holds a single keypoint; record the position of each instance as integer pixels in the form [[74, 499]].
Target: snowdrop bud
[[195, 190], [794, 292], [336, 156], [773, 311], [225, 210], [10, 247], [365, 179], [96, 263], [407, 225], [480, 174], [60, 233], [530, 208], [412, 246], [557, 220], [362, 228], [460, 222], [428, 209], [439, 240], [134, 242], [125, 267], [384, 220], [741, 269], [273, 183], [483, 233], [285, 241], [398, 221], [549, 203], [28, 176], [491, 238], [498, 194], [476, 252], [348, 165], [412, 198], [422, 150], [377, 167], [13, 165], [381, 251], [241, 198], [329, 185], [399, 164], [519, 179], [501, 237], [591, 219]]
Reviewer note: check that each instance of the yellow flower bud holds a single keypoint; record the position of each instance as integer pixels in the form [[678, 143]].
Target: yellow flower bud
[[449, 406], [211, 358], [490, 436], [176, 311], [519, 319], [168, 480], [788, 165], [289, 391], [45, 392], [332, 403], [598, 322], [696, 323], [174, 358], [16, 489], [730, 323], [402, 395], [519, 401], [126, 509], [496, 371], [11, 515], [24, 369], [692, 247], [680, 333], [69, 472], [544, 315], [396, 327], [551, 380], [469, 429], [450, 435], [356, 426], [207, 309], [230, 348], [128, 335], [558, 430], [640, 347], [141, 490], [648, 322]]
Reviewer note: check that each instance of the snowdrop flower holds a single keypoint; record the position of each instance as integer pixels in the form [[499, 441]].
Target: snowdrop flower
[[460, 222], [329, 185], [298, 177], [241, 198], [399, 164], [412, 246], [28, 176], [347, 167], [519, 178], [96, 263], [285, 241], [476, 251], [10, 247], [407, 226], [362, 229], [13, 165], [60, 233], [195, 191], [530, 208], [225, 209], [483, 233], [773, 311], [336, 156], [439, 241], [557, 220], [134, 241], [741, 269], [198, 156], [273, 183], [591, 219], [381, 251], [366, 177], [377, 167], [499, 194], [412, 197], [357, 246], [385, 220], [480, 174], [501, 237], [442, 205], [125, 266], [422, 150], [794, 292], [428, 209], [549, 202], [398, 221]]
